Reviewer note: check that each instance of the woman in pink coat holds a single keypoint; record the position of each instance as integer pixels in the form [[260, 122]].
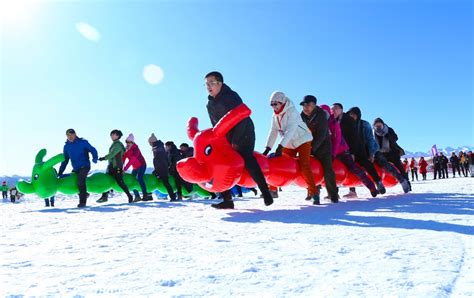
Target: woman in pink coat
[[137, 161], [340, 150]]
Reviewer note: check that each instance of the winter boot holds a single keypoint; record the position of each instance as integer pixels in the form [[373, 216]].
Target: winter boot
[[405, 186], [224, 205], [380, 187], [254, 191], [137, 199], [102, 199], [335, 199], [350, 195], [147, 197], [374, 192], [130, 198], [316, 199], [267, 198]]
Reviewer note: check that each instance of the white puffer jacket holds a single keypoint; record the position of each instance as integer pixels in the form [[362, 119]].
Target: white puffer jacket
[[288, 123]]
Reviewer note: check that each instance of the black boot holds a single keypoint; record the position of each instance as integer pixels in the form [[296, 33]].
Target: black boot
[[103, 198], [267, 197], [229, 204]]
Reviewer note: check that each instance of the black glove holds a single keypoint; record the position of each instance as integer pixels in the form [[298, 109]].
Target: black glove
[[267, 149], [279, 150], [101, 158]]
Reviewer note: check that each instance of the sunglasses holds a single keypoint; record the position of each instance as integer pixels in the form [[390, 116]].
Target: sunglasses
[[211, 83], [274, 104]]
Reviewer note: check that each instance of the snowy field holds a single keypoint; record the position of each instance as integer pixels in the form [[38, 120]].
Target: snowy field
[[420, 244]]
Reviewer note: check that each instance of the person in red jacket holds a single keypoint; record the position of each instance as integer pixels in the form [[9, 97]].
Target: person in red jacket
[[414, 169], [423, 165], [137, 161]]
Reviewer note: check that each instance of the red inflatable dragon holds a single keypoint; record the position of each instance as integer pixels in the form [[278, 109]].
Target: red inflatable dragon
[[216, 166]]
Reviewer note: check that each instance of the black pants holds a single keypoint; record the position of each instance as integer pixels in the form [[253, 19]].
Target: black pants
[[445, 172], [117, 173], [454, 170], [252, 166], [81, 184], [368, 166], [180, 183], [414, 173], [437, 172], [424, 176], [383, 163], [398, 164], [4, 194], [12, 198], [165, 178], [329, 176]]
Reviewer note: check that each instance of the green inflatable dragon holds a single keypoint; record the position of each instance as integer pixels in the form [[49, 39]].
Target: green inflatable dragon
[[45, 183]]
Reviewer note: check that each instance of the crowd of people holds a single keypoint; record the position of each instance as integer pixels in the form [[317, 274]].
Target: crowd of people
[[15, 195], [120, 158], [460, 163], [320, 131]]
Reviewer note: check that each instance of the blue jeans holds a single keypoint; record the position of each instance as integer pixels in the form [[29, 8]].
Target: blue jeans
[[139, 174]]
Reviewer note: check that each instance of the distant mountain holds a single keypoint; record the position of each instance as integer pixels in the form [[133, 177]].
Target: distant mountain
[[12, 180], [446, 151]]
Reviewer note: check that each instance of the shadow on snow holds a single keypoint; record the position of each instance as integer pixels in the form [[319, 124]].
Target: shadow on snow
[[345, 213]]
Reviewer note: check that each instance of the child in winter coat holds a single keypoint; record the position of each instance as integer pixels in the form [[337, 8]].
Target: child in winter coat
[[295, 138], [137, 161]]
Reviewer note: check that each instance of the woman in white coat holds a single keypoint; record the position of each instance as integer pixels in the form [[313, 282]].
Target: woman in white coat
[[295, 138]]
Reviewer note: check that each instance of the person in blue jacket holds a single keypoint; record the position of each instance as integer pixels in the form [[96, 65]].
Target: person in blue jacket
[[77, 150], [373, 149]]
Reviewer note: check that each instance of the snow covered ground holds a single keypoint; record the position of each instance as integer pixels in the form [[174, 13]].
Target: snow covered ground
[[419, 244]]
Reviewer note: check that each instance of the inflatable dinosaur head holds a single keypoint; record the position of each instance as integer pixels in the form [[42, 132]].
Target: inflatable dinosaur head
[[44, 180], [215, 166]]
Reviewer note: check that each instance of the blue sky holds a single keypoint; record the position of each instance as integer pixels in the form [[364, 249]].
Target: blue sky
[[408, 62]]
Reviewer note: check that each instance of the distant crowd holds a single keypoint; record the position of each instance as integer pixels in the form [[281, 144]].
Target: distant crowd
[[463, 164]]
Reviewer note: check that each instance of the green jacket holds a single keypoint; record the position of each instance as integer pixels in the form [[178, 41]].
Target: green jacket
[[4, 187], [116, 151]]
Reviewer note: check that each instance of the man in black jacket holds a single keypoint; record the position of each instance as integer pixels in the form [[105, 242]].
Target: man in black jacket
[[185, 150], [161, 164], [221, 100], [317, 121], [353, 138], [444, 165], [454, 159]]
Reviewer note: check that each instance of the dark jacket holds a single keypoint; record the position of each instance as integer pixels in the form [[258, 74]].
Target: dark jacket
[[218, 106], [318, 124], [444, 161], [173, 157], [395, 151], [352, 136], [78, 153], [160, 159], [454, 161], [188, 153]]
